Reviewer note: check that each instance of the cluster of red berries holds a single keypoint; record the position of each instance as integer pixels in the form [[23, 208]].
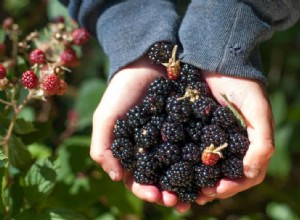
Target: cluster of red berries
[[47, 63]]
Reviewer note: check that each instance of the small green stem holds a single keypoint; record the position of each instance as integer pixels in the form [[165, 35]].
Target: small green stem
[[5, 102]]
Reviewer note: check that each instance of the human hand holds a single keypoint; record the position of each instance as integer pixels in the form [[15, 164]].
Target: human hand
[[126, 89], [250, 98]]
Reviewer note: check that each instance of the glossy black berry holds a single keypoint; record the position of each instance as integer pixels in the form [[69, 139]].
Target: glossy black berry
[[122, 129], [122, 148], [179, 110], [160, 52], [137, 116], [213, 134], [191, 152], [232, 168], [223, 117], [172, 132], [168, 153], [193, 129], [207, 176], [160, 86]]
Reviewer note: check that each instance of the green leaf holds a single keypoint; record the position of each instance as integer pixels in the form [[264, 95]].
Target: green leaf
[[281, 155], [279, 107], [42, 131], [278, 211], [39, 151], [2, 35], [88, 99], [3, 159], [71, 151], [40, 181], [19, 156], [23, 127], [60, 214], [55, 9], [28, 214]]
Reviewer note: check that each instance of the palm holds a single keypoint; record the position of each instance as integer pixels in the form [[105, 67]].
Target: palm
[[250, 98]]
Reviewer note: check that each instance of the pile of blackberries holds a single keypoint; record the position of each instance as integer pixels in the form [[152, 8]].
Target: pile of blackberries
[[180, 139]]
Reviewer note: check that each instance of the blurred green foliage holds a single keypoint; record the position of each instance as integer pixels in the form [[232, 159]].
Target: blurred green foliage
[[64, 183]]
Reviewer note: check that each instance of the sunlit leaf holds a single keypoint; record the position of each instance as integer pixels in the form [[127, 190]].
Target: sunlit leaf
[[40, 181]]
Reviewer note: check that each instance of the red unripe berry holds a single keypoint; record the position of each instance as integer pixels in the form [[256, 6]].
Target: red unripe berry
[[30, 80], [69, 58], [37, 56], [50, 84], [80, 36], [209, 158], [8, 23], [2, 72], [62, 88]]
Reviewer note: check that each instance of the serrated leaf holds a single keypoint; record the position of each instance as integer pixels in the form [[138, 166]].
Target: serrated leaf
[[88, 99], [40, 181], [23, 127], [61, 214], [19, 156]]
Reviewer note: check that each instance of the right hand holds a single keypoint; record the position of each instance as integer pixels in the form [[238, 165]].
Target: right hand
[[126, 89]]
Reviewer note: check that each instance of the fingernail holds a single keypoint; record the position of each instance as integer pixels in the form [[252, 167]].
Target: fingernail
[[252, 172], [112, 175]]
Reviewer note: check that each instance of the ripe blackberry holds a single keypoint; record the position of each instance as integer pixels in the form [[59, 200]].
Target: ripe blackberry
[[172, 132], [146, 168], [207, 176], [158, 120], [200, 87], [3, 72], [232, 168], [147, 136], [155, 104], [179, 110], [30, 80], [145, 178], [160, 86], [179, 87], [193, 129], [122, 149], [203, 107], [167, 154], [191, 152], [237, 144], [129, 164], [180, 174], [137, 116], [189, 74], [122, 129], [223, 117], [213, 134], [188, 195], [160, 52]]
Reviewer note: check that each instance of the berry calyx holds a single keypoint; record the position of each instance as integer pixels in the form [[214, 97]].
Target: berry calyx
[[173, 66], [30, 80], [2, 72], [69, 58], [50, 84], [80, 36], [37, 56], [211, 154]]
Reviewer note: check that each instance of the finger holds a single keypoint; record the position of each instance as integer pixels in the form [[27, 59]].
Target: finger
[[202, 200], [168, 199], [101, 143], [182, 207], [148, 193], [227, 188], [260, 133]]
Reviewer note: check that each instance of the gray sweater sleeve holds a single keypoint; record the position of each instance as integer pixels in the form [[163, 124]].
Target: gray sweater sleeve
[[223, 35], [126, 29]]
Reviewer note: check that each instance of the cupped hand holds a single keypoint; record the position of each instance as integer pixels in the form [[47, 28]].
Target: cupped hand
[[127, 88], [249, 96]]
